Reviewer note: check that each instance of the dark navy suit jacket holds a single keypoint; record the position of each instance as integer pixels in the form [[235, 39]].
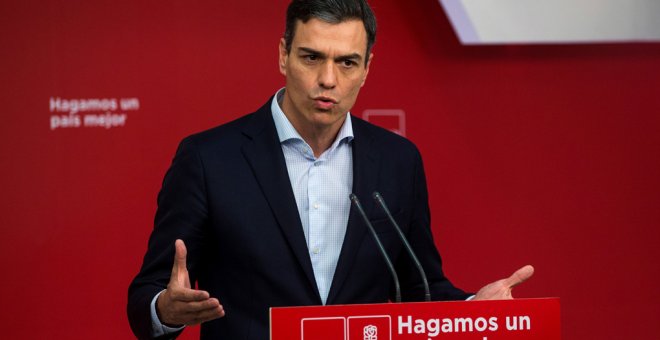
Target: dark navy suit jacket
[[227, 194]]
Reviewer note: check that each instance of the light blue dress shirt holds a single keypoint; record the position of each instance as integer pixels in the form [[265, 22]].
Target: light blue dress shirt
[[321, 187]]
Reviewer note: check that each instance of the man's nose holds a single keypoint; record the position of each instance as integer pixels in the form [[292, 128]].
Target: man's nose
[[328, 75]]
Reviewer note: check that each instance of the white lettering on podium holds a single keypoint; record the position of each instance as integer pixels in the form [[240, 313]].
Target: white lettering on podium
[[407, 324], [518, 323], [435, 326]]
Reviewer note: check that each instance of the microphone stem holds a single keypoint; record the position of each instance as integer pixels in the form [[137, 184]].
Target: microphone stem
[[381, 201], [397, 287]]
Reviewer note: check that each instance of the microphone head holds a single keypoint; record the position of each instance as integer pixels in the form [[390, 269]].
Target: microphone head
[[377, 196], [353, 197]]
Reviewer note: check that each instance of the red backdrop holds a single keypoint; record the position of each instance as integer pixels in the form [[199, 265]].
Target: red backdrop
[[534, 154]]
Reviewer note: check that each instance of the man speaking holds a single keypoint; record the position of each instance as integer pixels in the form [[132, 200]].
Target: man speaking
[[256, 212]]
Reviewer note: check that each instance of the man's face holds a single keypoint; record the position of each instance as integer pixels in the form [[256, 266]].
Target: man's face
[[324, 70]]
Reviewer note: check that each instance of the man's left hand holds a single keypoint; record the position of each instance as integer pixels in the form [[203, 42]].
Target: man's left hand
[[501, 290]]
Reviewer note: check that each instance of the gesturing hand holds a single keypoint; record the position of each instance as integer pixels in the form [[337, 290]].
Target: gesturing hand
[[179, 304], [501, 290]]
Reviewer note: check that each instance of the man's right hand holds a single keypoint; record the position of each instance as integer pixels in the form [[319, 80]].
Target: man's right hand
[[180, 305]]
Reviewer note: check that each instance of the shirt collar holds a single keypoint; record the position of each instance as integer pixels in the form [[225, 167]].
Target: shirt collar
[[286, 131]]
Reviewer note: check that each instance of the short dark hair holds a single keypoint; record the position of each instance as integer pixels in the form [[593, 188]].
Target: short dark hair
[[330, 11]]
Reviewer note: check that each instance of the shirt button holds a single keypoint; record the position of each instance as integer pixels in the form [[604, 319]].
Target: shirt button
[[316, 205], [315, 251]]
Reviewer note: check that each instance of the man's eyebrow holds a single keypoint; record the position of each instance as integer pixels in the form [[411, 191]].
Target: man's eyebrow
[[352, 56], [311, 51]]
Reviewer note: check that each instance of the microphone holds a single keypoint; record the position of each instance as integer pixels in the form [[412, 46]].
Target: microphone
[[397, 287], [381, 201]]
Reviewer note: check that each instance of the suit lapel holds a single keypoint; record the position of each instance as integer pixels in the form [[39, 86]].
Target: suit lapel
[[365, 181], [264, 154]]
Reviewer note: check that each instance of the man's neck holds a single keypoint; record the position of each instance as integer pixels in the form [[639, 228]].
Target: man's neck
[[319, 138]]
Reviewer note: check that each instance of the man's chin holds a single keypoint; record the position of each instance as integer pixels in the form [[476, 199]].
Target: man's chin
[[327, 118]]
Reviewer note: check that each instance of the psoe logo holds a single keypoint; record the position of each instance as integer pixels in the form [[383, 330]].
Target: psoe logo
[[369, 327], [370, 332]]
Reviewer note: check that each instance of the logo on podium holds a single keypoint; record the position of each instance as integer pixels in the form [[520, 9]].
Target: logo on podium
[[370, 332], [371, 327]]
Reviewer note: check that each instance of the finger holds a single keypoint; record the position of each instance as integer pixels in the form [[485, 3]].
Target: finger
[[188, 295], [180, 256], [196, 307], [521, 275], [204, 316], [191, 313], [179, 268]]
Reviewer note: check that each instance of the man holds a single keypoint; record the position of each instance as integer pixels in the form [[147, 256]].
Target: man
[[257, 213]]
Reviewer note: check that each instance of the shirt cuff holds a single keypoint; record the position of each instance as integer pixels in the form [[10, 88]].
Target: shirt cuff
[[157, 328], [470, 298]]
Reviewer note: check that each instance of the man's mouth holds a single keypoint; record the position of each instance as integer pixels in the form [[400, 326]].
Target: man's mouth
[[324, 103]]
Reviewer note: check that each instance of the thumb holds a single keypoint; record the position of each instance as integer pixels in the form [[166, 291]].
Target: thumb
[[521, 275], [179, 269]]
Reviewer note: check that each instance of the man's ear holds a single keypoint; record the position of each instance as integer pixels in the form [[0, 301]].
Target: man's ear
[[284, 56], [366, 71]]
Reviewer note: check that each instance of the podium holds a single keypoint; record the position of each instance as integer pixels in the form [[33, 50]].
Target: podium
[[456, 320]]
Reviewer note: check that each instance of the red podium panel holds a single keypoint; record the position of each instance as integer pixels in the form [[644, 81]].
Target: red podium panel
[[474, 320]]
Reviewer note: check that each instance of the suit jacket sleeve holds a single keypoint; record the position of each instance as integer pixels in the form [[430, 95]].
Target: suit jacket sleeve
[[421, 239], [181, 214]]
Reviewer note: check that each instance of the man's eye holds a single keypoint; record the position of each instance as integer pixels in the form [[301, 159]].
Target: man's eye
[[348, 63], [311, 57]]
